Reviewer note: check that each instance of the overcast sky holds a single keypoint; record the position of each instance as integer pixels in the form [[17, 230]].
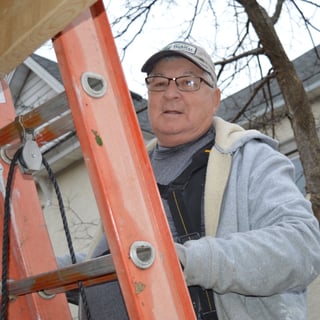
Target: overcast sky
[[167, 26]]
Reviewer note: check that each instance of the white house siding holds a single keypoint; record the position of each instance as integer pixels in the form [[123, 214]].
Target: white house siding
[[34, 93], [80, 207]]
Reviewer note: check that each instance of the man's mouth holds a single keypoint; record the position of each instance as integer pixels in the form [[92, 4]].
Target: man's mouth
[[172, 112]]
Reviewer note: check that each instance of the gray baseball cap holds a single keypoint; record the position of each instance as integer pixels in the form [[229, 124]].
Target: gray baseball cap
[[192, 52]]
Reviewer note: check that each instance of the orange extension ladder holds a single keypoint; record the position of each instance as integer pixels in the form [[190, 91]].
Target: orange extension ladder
[[144, 259]]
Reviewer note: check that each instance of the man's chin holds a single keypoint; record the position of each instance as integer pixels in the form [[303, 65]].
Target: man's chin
[[172, 138]]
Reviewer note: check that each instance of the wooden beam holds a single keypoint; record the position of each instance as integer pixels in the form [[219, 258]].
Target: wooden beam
[[26, 24]]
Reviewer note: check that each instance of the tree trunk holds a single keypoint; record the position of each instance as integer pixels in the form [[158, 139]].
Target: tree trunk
[[296, 99]]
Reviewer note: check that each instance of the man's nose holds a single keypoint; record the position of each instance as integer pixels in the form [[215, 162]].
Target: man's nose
[[172, 89]]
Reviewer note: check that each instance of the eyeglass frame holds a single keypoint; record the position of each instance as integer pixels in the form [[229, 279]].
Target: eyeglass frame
[[175, 80]]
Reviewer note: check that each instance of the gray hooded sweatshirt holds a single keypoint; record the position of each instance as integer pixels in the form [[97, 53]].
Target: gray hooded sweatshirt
[[266, 248], [262, 244]]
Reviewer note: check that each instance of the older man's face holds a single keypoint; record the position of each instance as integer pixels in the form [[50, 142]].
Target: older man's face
[[176, 116]]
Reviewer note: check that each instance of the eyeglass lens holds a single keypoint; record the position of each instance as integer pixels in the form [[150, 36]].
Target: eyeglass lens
[[184, 83]]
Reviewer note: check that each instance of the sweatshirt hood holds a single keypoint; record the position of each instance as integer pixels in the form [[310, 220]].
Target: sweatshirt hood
[[230, 136]]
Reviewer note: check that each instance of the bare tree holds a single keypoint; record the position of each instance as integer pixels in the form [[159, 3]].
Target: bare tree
[[297, 102], [256, 38]]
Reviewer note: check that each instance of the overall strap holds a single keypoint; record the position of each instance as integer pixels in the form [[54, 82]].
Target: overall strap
[[184, 196]]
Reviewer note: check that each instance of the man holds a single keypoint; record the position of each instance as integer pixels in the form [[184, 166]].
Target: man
[[247, 240]]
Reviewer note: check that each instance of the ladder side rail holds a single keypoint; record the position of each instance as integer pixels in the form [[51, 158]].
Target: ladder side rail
[[120, 170], [30, 250]]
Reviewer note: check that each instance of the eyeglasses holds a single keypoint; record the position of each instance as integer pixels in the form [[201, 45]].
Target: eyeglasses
[[183, 83]]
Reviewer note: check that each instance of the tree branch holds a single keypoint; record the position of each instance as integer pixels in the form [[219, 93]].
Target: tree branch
[[255, 92], [277, 12], [256, 51]]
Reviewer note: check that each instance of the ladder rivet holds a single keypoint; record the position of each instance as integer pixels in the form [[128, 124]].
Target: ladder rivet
[[47, 296], [93, 84], [142, 254]]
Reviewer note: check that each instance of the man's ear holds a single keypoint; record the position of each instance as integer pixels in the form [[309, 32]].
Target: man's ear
[[217, 99]]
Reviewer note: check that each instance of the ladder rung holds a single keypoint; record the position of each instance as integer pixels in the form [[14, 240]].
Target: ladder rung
[[91, 272], [54, 130], [33, 119]]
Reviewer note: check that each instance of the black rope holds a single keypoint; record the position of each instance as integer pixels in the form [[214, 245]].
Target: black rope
[[67, 233], [6, 239]]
